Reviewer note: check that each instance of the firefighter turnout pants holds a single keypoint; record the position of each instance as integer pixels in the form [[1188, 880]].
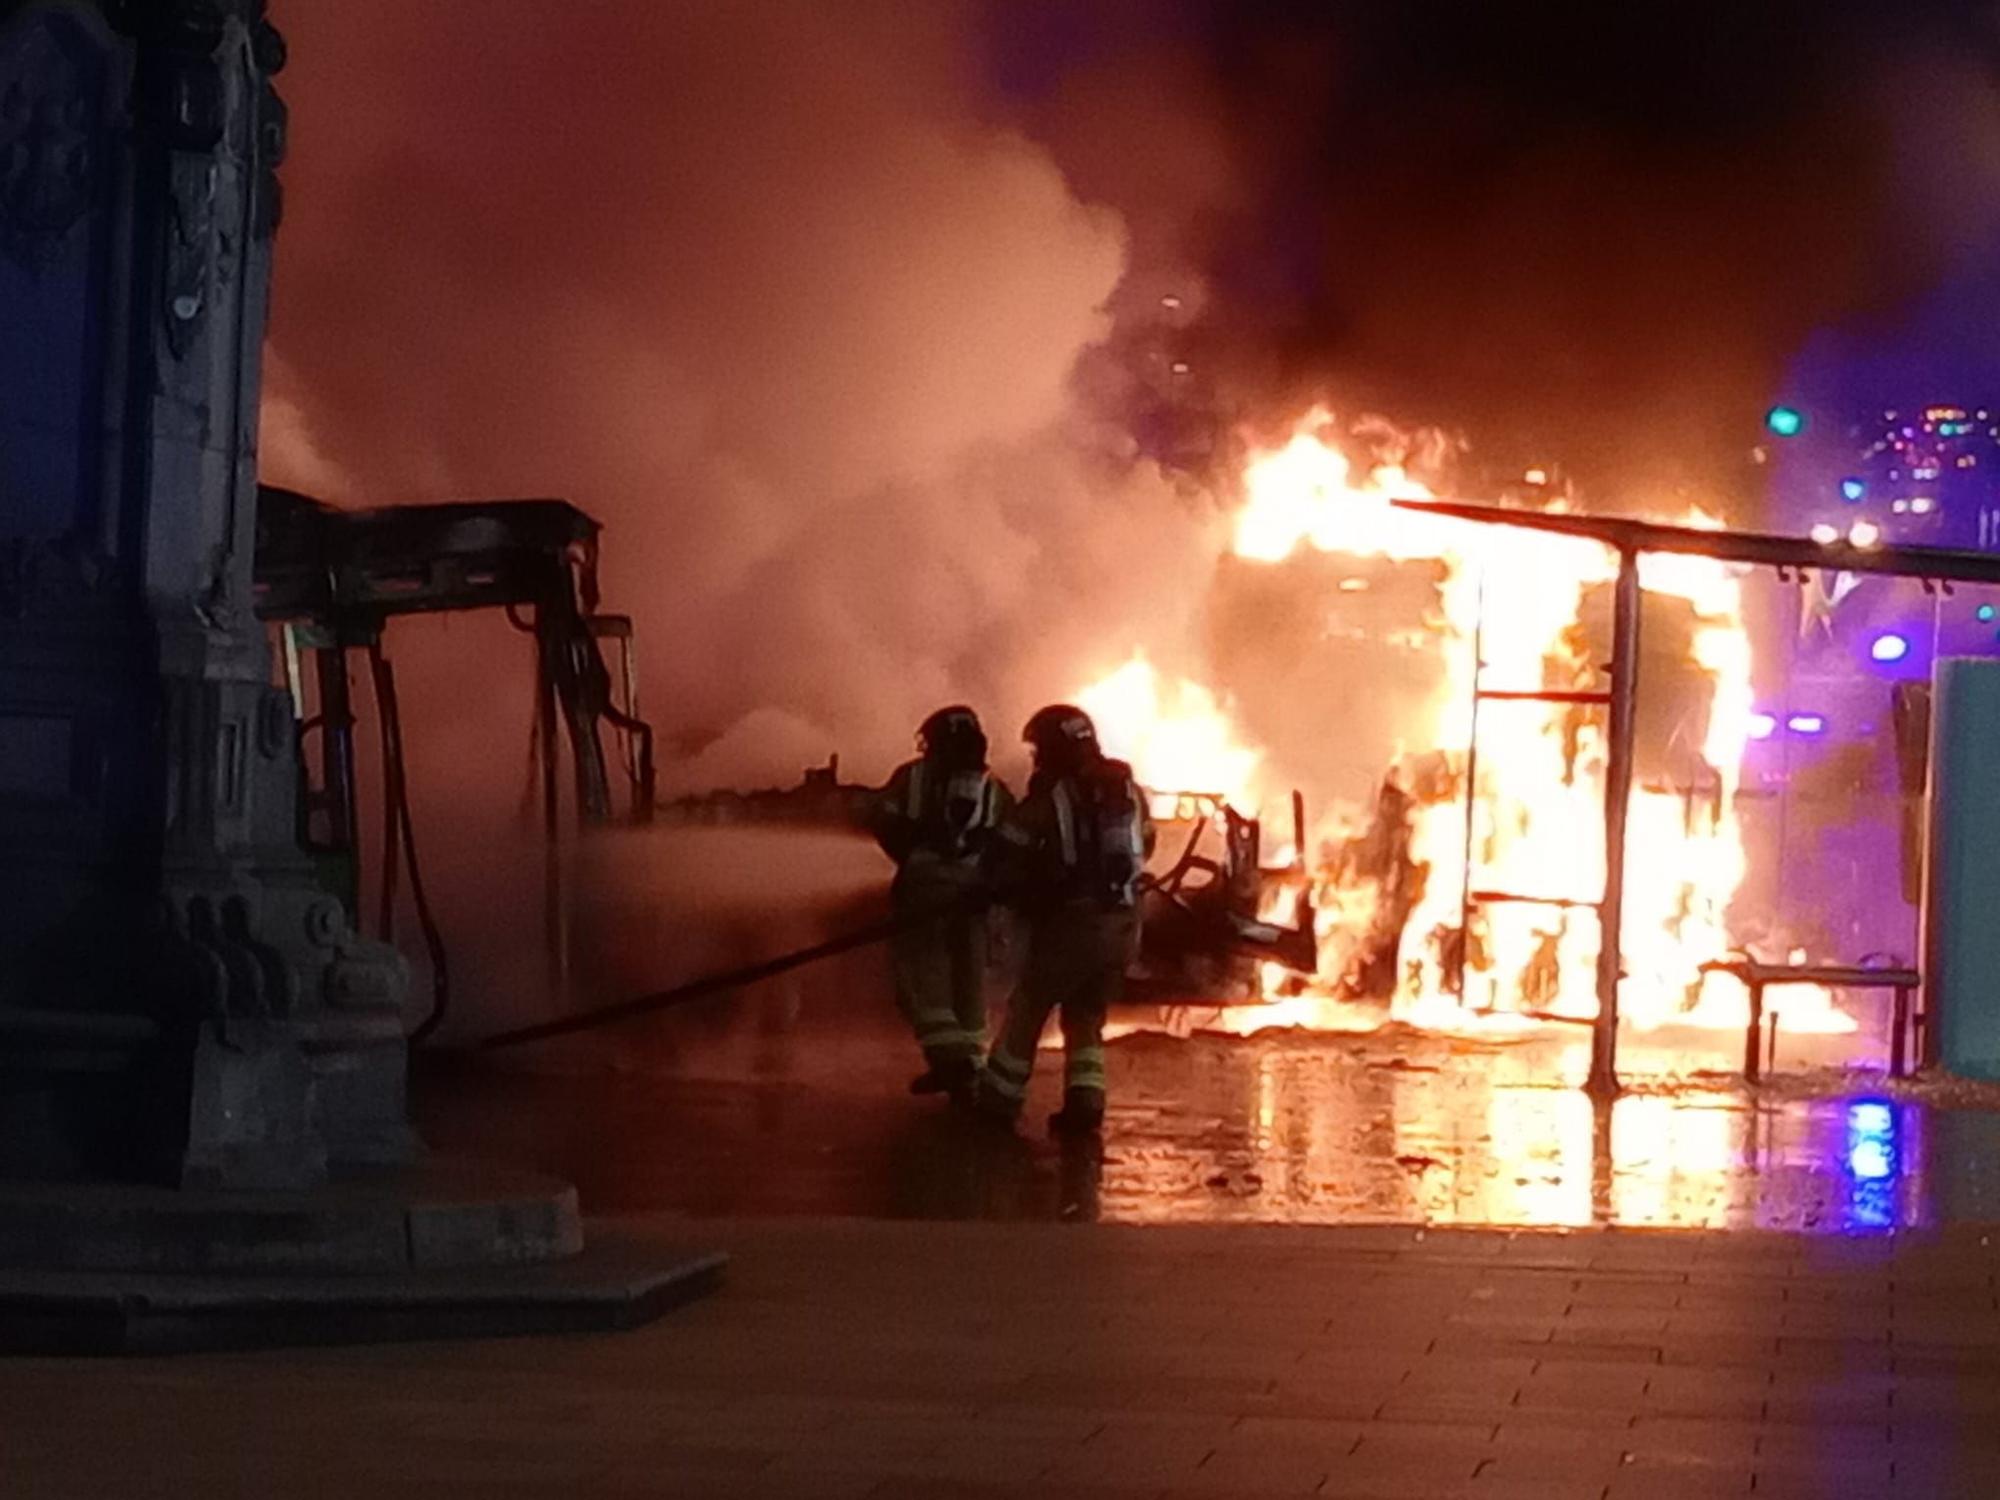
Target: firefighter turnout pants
[[1075, 968], [940, 963]]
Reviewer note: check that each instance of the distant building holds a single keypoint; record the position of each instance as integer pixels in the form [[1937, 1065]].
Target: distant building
[[1833, 778], [1929, 476]]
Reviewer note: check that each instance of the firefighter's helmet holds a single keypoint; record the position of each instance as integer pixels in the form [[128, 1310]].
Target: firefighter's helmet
[[1061, 731], [953, 732]]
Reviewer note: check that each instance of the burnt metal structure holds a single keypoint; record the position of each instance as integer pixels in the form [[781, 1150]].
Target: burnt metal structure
[[1205, 913], [1937, 567], [335, 578], [1757, 977]]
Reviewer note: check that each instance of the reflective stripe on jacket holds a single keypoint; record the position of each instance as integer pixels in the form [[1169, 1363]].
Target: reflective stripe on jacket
[[1084, 836], [933, 813]]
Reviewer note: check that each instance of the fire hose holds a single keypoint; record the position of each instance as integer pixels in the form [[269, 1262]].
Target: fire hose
[[728, 979], [733, 979], [398, 835]]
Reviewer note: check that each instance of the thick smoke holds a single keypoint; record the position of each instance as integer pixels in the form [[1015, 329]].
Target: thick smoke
[[763, 288], [1597, 234], [793, 296], [775, 292]]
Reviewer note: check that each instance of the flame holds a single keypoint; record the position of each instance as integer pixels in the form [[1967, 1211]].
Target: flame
[[1175, 733], [1510, 603], [1305, 492]]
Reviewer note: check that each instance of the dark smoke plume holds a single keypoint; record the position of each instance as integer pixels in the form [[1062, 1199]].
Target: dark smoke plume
[[791, 295], [1593, 233]]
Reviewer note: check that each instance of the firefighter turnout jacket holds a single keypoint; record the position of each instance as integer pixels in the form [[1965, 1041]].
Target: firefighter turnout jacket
[[1072, 857], [1080, 839], [931, 814], [937, 822]]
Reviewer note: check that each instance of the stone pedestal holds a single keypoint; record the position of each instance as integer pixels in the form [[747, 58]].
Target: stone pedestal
[[427, 1252], [203, 1124], [179, 1000]]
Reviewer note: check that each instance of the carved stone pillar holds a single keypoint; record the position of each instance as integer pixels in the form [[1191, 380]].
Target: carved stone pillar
[[177, 997]]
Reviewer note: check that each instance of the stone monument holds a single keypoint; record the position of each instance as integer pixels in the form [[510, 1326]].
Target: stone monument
[[204, 1133], [179, 1002]]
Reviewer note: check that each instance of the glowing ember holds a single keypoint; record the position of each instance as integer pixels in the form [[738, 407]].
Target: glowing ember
[[1517, 599]]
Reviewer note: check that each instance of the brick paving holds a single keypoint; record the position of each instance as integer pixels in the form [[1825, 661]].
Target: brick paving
[[909, 1361]]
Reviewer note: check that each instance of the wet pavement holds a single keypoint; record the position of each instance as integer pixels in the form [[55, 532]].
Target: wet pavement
[[790, 1099]]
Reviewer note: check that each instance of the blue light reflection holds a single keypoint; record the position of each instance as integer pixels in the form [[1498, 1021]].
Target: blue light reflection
[[1872, 1165]]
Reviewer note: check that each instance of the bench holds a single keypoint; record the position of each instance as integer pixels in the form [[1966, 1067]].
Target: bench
[[1757, 977]]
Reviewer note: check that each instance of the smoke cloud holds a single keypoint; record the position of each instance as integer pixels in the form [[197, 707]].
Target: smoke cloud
[[776, 291], [1593, 234], [848, 320], [766, 289]]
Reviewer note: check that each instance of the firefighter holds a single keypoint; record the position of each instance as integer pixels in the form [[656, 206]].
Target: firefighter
[[1071, 858], [936, 819]]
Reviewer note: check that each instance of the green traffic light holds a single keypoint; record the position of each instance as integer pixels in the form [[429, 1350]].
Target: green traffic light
[[1785, 421]]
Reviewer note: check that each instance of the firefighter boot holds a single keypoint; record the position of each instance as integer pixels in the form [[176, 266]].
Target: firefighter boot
[[992, 1107], [1082, 1113], [964, 1088], [954, 1075]]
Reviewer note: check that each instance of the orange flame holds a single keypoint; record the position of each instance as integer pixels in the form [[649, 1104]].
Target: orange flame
[[1516, 597]]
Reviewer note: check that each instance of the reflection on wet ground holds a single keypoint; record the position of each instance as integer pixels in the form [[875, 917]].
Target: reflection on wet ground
[[791, 1100], [1300, 1129]]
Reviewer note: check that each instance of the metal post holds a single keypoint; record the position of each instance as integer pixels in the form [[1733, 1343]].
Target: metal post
[[336, 708], [555, 927], [1603, 1159], [1471, 795], [1619, 732], [1753, 1037]]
